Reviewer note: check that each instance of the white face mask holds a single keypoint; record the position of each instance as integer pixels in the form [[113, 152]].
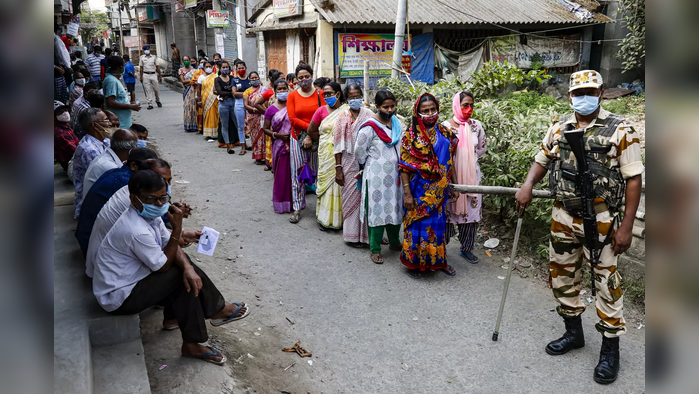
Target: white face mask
[[208, 70], [64, 117], [147, 51], [80, 81]]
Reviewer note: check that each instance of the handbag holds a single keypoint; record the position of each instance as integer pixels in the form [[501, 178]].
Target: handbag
[[303, 134]]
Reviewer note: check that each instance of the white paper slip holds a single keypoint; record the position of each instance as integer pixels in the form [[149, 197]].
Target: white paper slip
[[207, 241]]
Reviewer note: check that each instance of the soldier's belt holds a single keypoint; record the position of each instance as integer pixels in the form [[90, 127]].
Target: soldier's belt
[[574, 205]]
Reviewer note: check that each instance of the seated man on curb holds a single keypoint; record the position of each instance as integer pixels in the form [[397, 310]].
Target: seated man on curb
[[142, 133], [117, 205], [104, 188], [140, 265], [120, 144]]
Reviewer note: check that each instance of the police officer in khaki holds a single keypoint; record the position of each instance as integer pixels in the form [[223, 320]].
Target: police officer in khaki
[[614, 156], [149, 66]]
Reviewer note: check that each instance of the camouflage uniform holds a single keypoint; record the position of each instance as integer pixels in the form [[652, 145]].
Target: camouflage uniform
[[567, 235]]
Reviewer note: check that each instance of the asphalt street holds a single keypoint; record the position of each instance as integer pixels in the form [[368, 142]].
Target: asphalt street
[[370, 328]]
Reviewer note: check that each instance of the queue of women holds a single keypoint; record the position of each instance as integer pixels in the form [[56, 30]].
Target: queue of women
[[370, 172]]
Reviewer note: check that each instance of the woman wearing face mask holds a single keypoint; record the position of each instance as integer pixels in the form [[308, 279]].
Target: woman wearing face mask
[[242, 83], [64, 140], [329, 205], [116, 98], [302, 105], [224, 87], [265, 101], [253, 118], [189, 105], [278, 128], [206, 98], [465, 212], [354, 231], [426, 170], [377, 151], [194, 82]]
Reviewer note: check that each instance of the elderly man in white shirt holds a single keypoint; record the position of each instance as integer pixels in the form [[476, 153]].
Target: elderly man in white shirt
[[121, 143], [140, 265]]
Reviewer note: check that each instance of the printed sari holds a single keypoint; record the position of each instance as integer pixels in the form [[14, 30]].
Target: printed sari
[[345, 135], [281, 193], [329, 206], [427, 155], [210, 102], [189, 104], [253, 126], [200, 110]]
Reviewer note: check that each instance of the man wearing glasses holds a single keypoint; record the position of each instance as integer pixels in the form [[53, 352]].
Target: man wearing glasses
[[140, 264]]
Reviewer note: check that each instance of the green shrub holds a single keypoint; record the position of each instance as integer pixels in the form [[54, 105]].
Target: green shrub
[[627, 105]]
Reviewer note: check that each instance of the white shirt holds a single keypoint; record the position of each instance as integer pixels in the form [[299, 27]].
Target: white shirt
[[102, 163], [109, 214], [131, 251], [149, 63], [60, 47]]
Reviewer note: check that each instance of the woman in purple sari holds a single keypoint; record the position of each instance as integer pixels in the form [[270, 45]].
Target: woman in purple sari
[[278, 127]]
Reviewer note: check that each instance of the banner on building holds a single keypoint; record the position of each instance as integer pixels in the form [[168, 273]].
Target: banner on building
[[354, 49], [285, 8], [217, 18], [142, 13], [131, 42], [190, 3], [548, 52], [73, 29]]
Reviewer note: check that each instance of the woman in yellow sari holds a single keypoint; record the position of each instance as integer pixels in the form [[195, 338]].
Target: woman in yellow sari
[[197, 95], [329, 206], [209, 101]]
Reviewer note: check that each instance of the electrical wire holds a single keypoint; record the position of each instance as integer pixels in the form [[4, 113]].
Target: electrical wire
[[533, 34]]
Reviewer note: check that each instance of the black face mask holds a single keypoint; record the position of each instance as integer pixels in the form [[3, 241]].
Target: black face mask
[[386, 115]]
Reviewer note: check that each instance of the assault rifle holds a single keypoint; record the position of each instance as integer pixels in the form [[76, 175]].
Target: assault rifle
[[585, 186]]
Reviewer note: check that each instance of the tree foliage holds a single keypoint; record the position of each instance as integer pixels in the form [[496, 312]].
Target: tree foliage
[[88, 34], [632, 49]]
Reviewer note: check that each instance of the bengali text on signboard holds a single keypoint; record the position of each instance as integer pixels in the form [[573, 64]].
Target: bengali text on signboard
[[216, 18], [354, 49], [285, 8]]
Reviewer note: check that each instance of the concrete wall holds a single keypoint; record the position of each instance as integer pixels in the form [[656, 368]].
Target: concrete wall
[[266, 17], [325, 41], [293, 49], [611, 67]]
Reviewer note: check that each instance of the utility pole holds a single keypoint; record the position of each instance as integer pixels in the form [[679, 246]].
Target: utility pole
[[400, 37], [121, 29]]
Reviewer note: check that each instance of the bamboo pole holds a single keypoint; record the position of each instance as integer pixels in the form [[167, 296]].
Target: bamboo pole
[[499, 190]]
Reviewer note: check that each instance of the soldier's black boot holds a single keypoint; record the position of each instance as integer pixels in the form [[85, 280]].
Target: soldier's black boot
[[572, 339], [608, 368]]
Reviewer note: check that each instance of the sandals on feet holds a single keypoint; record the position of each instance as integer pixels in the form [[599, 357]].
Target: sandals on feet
[[470, 257], [231, 152], [376, 258], [242, 153], [295, 217], [384, 241], [233, 317], [204, 356], [415, 274], [449, 270]]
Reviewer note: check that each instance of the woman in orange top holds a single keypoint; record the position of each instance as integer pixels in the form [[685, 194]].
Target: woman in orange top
[[301, 105]]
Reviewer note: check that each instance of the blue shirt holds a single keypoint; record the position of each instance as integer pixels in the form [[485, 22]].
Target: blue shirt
[[99, 194], [241, 85], [129, 68], [113, 87]]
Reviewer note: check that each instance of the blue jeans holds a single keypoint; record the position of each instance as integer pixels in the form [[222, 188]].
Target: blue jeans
[[225, 109], [240, 116]]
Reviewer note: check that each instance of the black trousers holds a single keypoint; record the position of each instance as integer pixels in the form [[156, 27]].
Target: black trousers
[[467, 234], [167, 289]]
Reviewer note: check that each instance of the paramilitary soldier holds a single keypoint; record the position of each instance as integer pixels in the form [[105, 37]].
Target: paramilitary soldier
[[614, 159]]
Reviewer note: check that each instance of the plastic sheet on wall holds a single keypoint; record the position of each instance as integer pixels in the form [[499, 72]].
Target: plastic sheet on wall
[[423, 58]]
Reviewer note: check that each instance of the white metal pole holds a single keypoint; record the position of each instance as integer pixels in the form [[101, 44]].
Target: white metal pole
[[400, 34]]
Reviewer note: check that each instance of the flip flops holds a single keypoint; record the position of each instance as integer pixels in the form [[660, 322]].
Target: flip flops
[[204, 356], [449, 270], [470, 257], [415, 274], [295, 217], [219, 322], [376, 258]]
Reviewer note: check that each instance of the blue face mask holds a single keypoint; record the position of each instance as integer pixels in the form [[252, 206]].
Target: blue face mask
[[141, 143], [169, 189], [150, 211], [585, 105], [282, 96], [355, 104], [331, 101]]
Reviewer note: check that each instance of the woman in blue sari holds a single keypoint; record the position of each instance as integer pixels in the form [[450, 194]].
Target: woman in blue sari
[[426, 169]]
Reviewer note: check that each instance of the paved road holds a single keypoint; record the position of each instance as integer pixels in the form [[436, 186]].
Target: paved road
[[371, 328]]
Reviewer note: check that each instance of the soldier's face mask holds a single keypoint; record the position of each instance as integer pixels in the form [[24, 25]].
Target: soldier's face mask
[[585, 105]]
